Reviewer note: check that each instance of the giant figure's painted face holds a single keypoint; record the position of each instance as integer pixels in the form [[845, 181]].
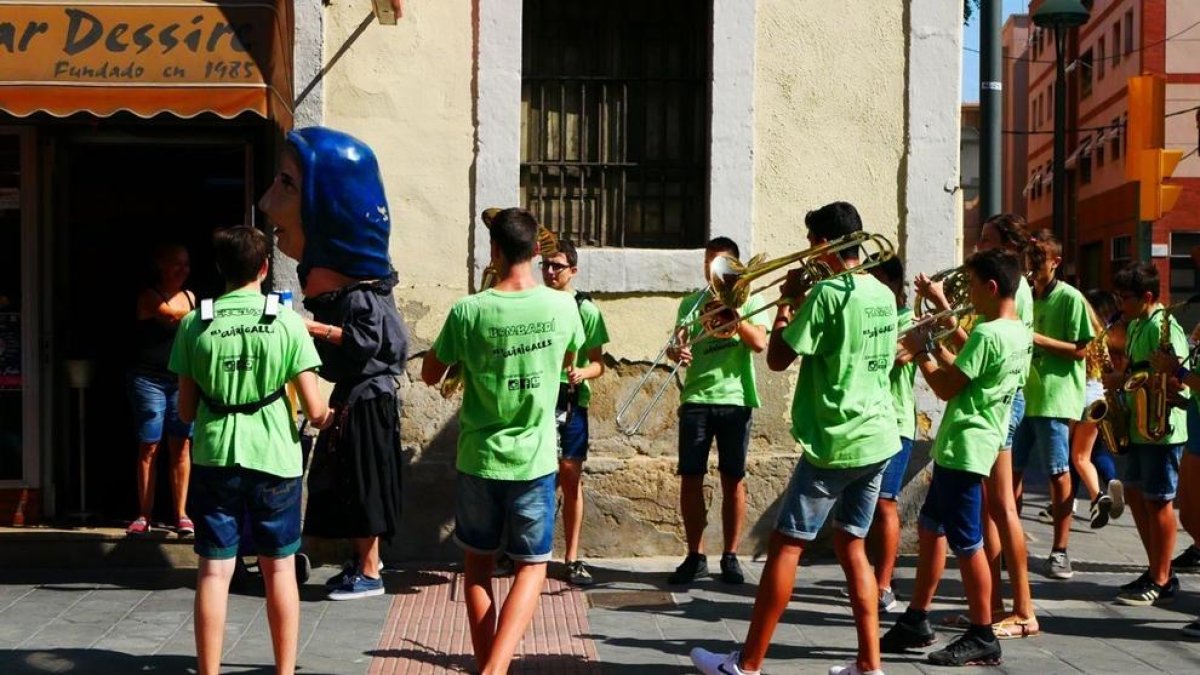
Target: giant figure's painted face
[[327, 205]]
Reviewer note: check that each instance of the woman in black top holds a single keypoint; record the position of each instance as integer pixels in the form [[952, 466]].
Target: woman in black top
[[154, 390]]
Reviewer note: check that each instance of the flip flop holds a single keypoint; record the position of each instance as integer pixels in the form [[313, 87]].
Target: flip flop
[[956, 621], [1015, 629]]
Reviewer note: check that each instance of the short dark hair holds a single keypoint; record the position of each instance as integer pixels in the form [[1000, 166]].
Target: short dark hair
[[1104, 302], [998, 265], [515, 232], [1138, 277], [834, 221], [892, 269], [1014, 231], [567, 248], [240, 253], [1043, 245], [723, 245]]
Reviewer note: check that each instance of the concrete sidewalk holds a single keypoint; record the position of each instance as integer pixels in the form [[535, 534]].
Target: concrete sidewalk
[[120, 622]]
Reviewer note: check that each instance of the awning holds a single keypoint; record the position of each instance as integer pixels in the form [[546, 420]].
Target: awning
[[147, 57]]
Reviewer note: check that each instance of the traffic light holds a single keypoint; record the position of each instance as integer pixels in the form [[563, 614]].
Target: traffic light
[[1146, 161]]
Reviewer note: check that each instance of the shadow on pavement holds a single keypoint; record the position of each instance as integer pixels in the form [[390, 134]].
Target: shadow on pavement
[[103, 662]]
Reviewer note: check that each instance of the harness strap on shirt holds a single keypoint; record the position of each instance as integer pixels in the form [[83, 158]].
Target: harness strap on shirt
[[241, 408]]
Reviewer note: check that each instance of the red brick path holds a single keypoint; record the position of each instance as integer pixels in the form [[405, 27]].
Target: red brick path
[[426, 631]]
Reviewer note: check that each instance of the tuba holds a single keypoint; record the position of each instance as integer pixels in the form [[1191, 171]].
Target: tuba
[[1110, 414], [452, 381]]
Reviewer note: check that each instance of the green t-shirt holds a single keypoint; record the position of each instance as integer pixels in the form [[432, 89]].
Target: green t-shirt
[[995, 358], [845, 334], [595, 335], [239, 357], [511, 347], [901, 381], [1143, 337], [1055, 384], [722, 370], [1024, 298]]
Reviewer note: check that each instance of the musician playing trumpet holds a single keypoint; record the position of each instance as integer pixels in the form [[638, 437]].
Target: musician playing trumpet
[[1152, 470], [718, 398]]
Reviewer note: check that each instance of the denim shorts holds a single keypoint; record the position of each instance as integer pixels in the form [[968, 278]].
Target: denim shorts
[[699, 424], [1093, 391], [813, 492], [486, 510], [1014, 421], [221, 497], [1049, 438], [573, 435], [1154, 470], [893, 475], [1193, 429], [952, 509], [155, 403]]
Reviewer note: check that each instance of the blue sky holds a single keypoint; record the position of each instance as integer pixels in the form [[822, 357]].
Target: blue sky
[[970, 78]]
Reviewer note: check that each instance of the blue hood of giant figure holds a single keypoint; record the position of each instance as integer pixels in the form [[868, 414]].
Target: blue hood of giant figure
[[343, 211]]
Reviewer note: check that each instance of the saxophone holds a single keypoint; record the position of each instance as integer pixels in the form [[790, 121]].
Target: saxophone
[[1109, 413], [1148, 395]]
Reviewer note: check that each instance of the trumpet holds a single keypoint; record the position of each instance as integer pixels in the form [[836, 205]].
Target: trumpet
[[938, 320], [731, 280], [955, 286], [452, 380], [677, 340]]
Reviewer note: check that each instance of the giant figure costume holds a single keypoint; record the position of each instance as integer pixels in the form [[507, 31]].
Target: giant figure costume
[[354, 482]]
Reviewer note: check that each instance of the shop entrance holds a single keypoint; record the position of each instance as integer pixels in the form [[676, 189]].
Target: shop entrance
[[115, 200]]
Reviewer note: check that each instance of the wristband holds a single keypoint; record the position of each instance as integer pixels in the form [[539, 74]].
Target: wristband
[[1182, 373], [328, 332]]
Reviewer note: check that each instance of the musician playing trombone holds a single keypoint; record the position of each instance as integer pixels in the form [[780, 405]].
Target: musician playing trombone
[[718, 398], [843, 331]]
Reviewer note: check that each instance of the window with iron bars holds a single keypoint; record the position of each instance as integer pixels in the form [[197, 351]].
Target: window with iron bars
[[615, 121]]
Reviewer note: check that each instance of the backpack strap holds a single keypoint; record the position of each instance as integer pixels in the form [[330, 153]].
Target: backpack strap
[[241, 408]]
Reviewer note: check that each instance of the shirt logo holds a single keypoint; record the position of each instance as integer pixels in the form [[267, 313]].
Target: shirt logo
[[240, 364], [523, 383]]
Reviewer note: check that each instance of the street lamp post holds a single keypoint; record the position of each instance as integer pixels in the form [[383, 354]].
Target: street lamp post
[[1060, 16]]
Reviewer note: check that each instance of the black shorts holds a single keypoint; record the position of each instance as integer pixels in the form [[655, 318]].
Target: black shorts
[[699, 424]]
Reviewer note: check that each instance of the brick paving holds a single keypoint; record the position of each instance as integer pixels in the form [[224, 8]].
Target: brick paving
[[426, 630]]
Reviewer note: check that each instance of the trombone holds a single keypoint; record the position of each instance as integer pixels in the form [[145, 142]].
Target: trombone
[[731, 280], [673, 342]]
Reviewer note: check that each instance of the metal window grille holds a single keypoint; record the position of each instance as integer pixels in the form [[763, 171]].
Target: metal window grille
[[615, 120]]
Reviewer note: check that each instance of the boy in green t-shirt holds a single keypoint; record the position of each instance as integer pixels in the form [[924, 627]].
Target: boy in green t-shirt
[[978, 384], [843, 330], [717, 402], [233, 357], [513, 341], [1053, 391], [1152, 464], [574, 396]]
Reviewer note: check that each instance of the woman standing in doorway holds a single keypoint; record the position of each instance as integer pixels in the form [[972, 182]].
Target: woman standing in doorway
[[154, 391]]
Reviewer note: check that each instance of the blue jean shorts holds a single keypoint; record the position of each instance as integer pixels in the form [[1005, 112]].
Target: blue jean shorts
[[1193, 429], [1049, 438], [1014, 420], [573, 435], [1154, 470], [952, 509], [813, 492], [700, 424], [893, 475], [487, 510], [155, 402], [222, 497]]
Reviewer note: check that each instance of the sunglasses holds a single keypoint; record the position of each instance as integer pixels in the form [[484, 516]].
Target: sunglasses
[[555, 266]]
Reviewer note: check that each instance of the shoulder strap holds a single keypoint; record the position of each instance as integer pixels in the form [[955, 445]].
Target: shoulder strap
[[271, 308], [207, 312], [241, 408], [580, 298]]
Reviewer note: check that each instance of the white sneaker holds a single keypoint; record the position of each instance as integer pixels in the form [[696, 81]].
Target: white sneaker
[[709, 663], [852, 669]]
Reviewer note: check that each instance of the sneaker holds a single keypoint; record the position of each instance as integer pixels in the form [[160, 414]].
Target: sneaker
[[731, 569], [1188, 561], [852, 669], [1192, 630], [709, 663], [887, 601], [968, 649], [579, 574], [907, 634], [185, 527], [303, 568], [1143, 578], [1058, 566], [1145, 594], [137, 528], [1101, 511], [1045, 515], [349, 569], [1116, 490], [693, 566], [357, 586], [505, 567]]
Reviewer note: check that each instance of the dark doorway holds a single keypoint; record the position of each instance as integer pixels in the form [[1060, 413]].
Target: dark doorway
[[115, 201]]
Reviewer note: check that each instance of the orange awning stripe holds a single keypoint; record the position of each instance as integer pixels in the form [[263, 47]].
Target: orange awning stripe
[[146, 57]]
